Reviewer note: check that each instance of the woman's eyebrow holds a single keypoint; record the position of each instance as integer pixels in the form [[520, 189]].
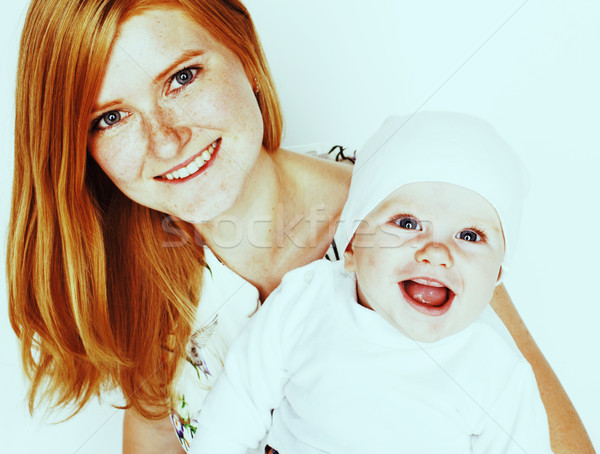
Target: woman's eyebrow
[[105, 106], [188, 54], [183, 57]]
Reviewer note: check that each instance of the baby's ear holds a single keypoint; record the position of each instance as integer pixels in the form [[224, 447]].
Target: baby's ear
[[349, 262]]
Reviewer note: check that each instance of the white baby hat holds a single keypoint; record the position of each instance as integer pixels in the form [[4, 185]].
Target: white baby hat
[[445, 147]]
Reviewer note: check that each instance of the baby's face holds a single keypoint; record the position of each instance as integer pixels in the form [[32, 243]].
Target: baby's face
[[427, 258]]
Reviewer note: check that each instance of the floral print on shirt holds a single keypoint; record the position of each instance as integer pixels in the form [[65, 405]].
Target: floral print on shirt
[[184, 425]]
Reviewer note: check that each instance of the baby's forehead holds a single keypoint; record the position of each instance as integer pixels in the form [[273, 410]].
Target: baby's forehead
[[430, 199]]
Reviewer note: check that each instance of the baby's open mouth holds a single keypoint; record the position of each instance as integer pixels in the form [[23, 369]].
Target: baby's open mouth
[[427, 296]]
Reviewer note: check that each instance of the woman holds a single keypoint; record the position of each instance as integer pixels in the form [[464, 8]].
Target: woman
[[173, 102]]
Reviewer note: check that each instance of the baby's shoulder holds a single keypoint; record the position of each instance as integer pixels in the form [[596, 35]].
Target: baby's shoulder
[[311, 287], [317, 273], [494, 342]]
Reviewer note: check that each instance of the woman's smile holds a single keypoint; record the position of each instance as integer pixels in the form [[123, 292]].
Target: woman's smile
[[193, 166]]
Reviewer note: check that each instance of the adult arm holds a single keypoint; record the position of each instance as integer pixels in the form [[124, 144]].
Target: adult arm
[[144, 436], [515, 422], [567, 434]]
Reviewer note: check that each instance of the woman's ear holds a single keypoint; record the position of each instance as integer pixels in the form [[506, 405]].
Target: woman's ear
[[499, 279], [349, 262]]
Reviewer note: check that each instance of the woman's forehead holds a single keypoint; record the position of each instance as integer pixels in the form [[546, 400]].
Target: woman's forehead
[[158, 24], [148, 47]]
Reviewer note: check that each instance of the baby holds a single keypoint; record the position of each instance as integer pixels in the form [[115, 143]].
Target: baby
[[396, 348]]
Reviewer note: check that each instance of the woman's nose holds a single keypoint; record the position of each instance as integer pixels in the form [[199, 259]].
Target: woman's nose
[[167, 133], [435, 253]]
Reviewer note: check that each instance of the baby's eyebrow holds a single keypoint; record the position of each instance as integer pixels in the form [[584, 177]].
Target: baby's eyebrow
[[396, 205], [484, 224]]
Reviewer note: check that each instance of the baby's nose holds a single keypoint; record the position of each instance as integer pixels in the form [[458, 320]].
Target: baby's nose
[[435, 253]]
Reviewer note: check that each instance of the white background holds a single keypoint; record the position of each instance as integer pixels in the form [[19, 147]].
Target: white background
[[341, 66]]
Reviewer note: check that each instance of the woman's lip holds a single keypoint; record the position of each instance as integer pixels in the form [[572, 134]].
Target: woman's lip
[[426, 308], [201, 170]]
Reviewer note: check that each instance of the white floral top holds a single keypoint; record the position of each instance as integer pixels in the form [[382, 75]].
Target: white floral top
[[227, 303]]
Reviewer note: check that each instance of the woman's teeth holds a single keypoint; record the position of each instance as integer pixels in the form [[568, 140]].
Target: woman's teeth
[[193, 166]]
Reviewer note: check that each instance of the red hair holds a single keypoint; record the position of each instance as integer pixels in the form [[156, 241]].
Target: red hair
[[95, 297]]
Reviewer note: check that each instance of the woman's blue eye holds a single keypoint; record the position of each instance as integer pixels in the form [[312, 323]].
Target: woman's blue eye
[[112, 117], [182, 78], [468, 235], [408, 223], [108, 119]]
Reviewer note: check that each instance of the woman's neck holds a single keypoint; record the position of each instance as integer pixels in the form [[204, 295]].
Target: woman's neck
[[284, 218]]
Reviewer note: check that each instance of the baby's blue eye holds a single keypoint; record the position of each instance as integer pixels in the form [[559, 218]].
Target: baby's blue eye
[[408, 223], [468, 235]]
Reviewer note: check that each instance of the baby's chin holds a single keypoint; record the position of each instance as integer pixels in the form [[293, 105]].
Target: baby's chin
[[424, 328], [426, 336]]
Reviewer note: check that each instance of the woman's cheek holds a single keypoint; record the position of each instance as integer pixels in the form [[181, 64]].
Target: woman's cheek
[[121, 156]]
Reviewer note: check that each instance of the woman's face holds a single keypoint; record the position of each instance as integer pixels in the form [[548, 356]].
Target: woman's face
[[176, 125]]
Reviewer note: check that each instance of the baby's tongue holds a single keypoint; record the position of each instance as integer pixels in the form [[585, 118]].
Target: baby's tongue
[[426, 294]]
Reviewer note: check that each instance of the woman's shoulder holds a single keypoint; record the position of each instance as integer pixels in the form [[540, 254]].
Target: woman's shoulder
[[322, 175], [327, 151], [318, 160]]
